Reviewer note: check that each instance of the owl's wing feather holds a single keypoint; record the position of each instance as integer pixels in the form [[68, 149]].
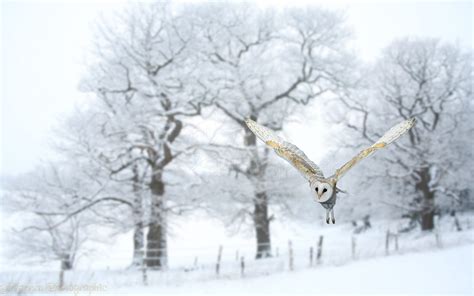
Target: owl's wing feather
[[286, 150], [391, 135]]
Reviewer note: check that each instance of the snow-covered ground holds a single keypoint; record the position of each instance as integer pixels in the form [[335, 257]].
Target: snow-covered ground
[[430, 262], [438, 271], [446, 271]]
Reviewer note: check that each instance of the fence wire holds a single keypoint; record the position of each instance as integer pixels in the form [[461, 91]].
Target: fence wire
[[231, 261]]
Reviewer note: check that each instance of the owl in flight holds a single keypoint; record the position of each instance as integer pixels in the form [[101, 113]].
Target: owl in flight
[[324, 189]]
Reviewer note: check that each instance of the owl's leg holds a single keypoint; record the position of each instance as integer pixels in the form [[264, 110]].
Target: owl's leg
[[328, 211], [332, 216]]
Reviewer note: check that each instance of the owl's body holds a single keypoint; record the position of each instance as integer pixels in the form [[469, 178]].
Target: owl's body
[[331, 202], [324, 189]]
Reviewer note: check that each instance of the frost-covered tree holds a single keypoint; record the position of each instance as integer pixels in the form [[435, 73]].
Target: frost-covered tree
[[41, 202], [83, 139], [432, 82], [260, 64], [147, 81]]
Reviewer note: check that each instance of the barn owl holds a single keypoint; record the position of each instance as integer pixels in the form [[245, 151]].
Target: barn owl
[[324, 189]]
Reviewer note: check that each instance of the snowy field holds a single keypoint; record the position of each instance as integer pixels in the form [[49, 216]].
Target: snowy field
[[432, 262], [447, 271], [444, 271]]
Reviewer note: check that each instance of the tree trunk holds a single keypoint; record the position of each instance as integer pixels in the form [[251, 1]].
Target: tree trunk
[[261, 220], [66, 263], [262, 225], [156, 255], [427, 201], [427, 220], [138, 244], [138, 238]]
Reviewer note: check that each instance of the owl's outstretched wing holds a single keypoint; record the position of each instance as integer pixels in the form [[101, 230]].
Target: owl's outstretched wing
[[390, 136], [286, 150]]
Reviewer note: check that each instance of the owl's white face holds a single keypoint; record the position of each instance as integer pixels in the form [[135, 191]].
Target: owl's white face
[[322, 190]]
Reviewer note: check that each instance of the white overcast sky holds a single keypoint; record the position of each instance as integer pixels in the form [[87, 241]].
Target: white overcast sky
[[44, 45]]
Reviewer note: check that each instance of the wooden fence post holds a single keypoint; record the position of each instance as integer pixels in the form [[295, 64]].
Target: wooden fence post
[[290, 255], [320, 250], [144, 276], [457, 224], [61, 279], [242, 266], [438, 238], [353, 247], [218, 264], [144, 271], [195, 262], [396, 241], [311, 256]]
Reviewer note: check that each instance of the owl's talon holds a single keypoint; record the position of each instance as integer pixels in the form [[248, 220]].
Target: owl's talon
[[333, 221], [327, 220]]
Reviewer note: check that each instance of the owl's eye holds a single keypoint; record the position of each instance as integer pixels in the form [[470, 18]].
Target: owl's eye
[[316, 189], [324, 190]]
